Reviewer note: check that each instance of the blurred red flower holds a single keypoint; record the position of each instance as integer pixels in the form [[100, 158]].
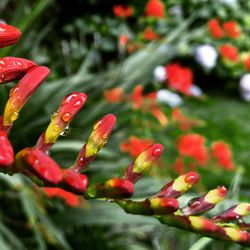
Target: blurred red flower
[[135, 145], [184, 122], [246, 62], [178, 165], [155, 8], [215, 29], [193, 145], [179, 78], [137, 97], [122, 11], [114, 95], [229, 52], [150, 35], [222, 153], [69, 198], [231, 29]]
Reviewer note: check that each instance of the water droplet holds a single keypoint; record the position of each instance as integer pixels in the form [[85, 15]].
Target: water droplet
[[65, 132], [156, 152], [2, 63], [68, 99], [77, 104], [66, 116]]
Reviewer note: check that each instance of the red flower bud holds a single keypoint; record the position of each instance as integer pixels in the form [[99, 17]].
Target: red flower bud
[[75, 182], [180, 185], [205, 202], [6, 150], [40, 164], [70, 106], [117, 187], [143, 162], [14, 68], [20, 94], [8, 35], [163, 205]]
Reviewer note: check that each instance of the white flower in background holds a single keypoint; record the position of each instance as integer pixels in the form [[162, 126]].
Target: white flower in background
[[195, 91], [160, 74], [2, 21], [244, 87], [206, 55], [176, 10], [167, 97]]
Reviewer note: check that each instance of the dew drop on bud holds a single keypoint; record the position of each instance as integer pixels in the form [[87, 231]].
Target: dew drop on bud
[[65, 132], [68, 98], [66, 116], [77, 104]]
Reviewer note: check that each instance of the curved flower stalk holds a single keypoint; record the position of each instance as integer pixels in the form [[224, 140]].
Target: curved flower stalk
[[35, 163]]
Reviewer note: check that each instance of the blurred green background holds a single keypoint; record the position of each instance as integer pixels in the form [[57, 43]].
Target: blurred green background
[[79, 42]]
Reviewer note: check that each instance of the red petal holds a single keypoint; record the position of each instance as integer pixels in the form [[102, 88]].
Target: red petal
[[74, 181], [8, 35], [14, 68], [6, 150], [43, 166]]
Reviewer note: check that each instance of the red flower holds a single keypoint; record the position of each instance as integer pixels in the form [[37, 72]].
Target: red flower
[[229, 52], [155, 8], [222, 153], [122, 11], [178, 165], [114, 95], [69, 198], [9, 35], [246, 62], [231, 29], [193, 145], [179, 78], [215, 29], [149, 34], [135, 145]]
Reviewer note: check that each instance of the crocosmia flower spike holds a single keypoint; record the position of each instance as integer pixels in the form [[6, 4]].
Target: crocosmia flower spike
[[9, 35]]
